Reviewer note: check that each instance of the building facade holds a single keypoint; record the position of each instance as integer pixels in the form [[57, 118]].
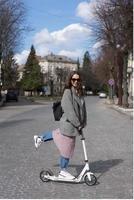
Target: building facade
[[55, 69]]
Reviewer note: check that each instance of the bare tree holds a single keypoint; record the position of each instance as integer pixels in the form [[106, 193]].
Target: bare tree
[[114, 26], [102, 68], [12, 17]]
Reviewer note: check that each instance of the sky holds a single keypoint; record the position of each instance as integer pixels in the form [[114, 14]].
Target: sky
[[58, 27]]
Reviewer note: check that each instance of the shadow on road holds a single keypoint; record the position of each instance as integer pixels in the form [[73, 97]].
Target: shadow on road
[[99, 166]]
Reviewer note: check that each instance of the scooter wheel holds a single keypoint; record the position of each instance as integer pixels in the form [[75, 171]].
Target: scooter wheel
[[92, 181], [43, 173]]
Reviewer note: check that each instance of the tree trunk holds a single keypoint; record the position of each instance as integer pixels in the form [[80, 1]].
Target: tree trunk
[[125, 85], [120, 76]]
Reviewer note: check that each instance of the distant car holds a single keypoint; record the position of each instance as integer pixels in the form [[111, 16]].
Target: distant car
[[102, 95], [11, 95], [89, 93]]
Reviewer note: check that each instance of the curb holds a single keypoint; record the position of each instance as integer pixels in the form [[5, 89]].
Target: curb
[[41, 101], [2, 103], [127, 111]]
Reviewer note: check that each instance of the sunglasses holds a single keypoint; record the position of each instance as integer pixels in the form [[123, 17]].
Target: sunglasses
[[76, 79]]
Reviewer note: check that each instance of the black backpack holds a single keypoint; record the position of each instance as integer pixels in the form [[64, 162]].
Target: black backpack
[[57, 110]]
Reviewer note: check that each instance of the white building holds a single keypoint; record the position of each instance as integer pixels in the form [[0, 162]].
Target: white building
[[50, 62], [55, 69]]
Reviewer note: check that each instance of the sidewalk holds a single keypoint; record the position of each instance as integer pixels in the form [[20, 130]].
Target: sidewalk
[[113, 104], [2, 102]]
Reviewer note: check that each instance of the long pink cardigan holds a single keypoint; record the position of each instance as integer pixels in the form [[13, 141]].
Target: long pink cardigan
[[64, 143]]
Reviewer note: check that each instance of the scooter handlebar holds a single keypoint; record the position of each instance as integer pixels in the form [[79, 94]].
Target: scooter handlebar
[[82, 135]]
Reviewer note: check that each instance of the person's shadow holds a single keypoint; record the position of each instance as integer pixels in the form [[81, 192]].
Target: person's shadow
[[98, 166]]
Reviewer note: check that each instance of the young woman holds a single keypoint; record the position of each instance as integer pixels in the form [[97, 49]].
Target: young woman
[[72, 122]]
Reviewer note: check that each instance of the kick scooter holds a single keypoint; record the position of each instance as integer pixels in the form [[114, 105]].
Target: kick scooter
[[85, 176]]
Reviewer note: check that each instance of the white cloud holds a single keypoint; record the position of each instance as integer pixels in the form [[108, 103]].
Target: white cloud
[[72, 54], [85, 10], [22, 57], [61, 37], [42, 37], [67, 40], [42, 50], [71, 32]]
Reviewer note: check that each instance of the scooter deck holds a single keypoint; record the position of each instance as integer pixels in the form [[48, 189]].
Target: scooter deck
[[56, 178]]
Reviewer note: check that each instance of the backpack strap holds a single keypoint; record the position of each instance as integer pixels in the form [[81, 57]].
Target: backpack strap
[[71, 94]]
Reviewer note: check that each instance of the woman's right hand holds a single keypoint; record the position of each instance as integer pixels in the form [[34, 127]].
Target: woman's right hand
[[80, 127]]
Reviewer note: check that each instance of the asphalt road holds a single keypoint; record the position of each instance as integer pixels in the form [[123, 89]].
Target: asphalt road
[[109, 142]]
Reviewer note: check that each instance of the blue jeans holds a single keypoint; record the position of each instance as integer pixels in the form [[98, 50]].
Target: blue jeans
[[47, 136]]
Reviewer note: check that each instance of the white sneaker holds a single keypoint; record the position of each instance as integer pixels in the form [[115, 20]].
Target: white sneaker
[[37, 141], [66, 175]]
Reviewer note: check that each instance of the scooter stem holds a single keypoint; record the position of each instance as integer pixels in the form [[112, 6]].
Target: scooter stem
[[84, 147]]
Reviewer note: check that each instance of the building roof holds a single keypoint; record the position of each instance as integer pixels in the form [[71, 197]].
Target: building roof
[[58, 58], [51, 58]]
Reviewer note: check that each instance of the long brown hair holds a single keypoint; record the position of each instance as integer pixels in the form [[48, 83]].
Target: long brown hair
[[68, 84]]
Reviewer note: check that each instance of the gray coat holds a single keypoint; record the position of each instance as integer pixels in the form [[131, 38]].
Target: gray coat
[[74, 113]]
